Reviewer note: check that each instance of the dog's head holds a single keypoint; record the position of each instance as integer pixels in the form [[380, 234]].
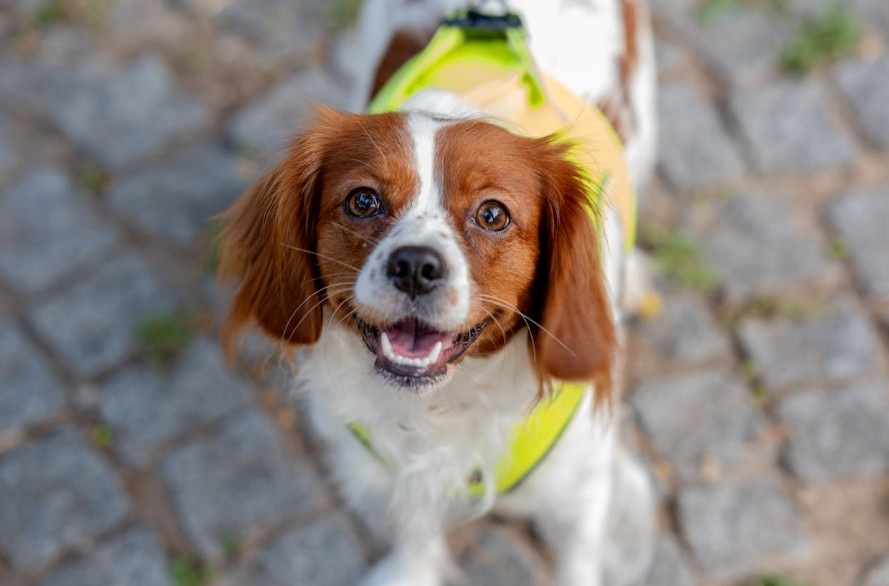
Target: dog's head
[[432, 240]]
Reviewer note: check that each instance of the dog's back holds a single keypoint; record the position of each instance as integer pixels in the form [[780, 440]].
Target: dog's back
[[602, 50]]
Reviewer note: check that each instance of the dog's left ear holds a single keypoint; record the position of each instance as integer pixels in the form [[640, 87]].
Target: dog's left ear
[[577, 340], [268, 246]]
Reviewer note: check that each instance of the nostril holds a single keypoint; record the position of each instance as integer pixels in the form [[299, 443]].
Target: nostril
[[399, 268], [427, 271], [415, 269], [431, 270]]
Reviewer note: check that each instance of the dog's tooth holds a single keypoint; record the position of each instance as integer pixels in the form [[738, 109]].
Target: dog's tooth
[[434, 354], [388, 352]]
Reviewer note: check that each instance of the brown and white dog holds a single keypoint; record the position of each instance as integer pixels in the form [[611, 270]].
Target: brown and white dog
[[435, 270]]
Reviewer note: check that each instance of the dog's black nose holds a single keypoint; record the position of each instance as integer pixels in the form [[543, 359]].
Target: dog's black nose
[[415, 269]]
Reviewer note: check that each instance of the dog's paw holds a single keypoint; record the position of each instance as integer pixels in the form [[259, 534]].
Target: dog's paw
[[632, 523], [396, 570]]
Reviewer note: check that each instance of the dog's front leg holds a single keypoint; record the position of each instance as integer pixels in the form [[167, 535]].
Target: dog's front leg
[[568, 497], [575, 528], [412, 563], [417, 517]]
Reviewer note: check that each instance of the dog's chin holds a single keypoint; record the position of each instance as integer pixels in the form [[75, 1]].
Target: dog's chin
[[415, 357]]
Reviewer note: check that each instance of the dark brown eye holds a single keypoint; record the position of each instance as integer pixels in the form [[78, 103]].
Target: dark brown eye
[[492, 216], [363, 202]]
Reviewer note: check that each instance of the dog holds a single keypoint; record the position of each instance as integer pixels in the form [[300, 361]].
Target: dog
[[455, 288]]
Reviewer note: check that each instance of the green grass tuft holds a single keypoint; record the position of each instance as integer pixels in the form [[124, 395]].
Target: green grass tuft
[[711, 9], [189, 571], [102, 436], [230, 545], [776, 581], [92, 13], [838, 248], [340, 14], [162, 336], [94, 180], [823, 39], [214, 241], [49, 13], [679, 256]]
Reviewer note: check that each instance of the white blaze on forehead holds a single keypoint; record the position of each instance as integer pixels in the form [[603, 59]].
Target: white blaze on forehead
[[422, 129]]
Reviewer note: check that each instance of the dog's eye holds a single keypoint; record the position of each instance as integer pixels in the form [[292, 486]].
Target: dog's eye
[[363, 202], [492, 215]]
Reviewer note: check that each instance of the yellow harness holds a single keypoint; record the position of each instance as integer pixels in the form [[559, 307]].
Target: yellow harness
[[485, 60]]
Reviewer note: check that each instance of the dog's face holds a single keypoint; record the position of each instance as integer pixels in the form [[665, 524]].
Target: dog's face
[[432, 240]]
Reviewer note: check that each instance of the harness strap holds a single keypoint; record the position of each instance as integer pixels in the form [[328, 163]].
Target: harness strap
[[494, 44], [530, 441]]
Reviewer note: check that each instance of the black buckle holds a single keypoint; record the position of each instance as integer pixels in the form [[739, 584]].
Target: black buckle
[[479, 21]]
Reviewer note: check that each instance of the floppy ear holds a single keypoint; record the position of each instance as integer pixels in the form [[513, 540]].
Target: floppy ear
[[577, 341], [268, 244]]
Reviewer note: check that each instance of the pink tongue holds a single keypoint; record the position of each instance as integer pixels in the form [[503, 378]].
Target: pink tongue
[[414, 340]]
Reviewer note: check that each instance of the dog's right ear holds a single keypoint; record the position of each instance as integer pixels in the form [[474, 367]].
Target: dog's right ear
[[268, 245]]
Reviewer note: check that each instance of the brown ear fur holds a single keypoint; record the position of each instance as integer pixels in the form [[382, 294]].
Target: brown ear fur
[[265, 242], [577, 341]]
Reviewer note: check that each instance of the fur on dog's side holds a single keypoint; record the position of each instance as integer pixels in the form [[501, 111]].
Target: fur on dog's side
[[439, 377]]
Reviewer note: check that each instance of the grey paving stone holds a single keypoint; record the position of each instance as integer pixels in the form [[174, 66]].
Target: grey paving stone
[[679, 14], [737, 529], [147, 408], [878, 574], [175, 200], [238, 483], [134, 558], [48, 231], [838, 433], [64, 55], [141, 22], [695, 150], [123, 114], [9, 153], [499, 558], [283, 29], [668, 567], [740, 45], [272, 121], [10, 579], [704, 423], [866, 87], [54, 495], [874, 13], [669, 57], [685, 332], [835, 344], [28, 392], [810, 8], [323, 553], [861, 220], [90, 325], [756, 245], [788, 129]]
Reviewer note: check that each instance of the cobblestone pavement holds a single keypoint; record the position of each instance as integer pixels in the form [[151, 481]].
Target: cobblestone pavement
[[131, 455]]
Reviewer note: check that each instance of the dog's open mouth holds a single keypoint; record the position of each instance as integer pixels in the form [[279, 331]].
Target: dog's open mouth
[[412, 354]]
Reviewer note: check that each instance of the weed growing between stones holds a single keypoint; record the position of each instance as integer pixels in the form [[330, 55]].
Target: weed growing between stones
[[712, 8], [679, 256], [820, 40], [776, 581], [163, 336], [187, 570], [102, 436]]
